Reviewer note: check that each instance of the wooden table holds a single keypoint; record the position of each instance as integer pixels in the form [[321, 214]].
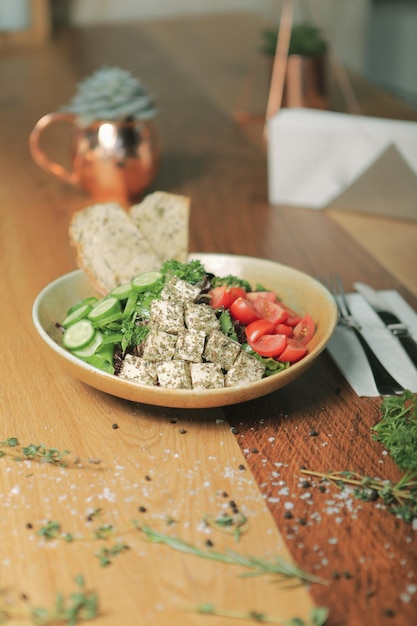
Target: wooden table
[[160, 465]]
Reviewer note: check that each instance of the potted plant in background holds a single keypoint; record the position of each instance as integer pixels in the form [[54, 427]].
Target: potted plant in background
[[305, 71], [114, 145]]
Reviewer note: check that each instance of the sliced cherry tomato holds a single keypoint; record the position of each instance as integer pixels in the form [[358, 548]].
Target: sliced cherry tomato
[[271, 311], [292, 352], [269, 295], [293, 317], [224, 296], [304, 330], [269, 345], [284, 329], [243, 311], [256, 329]]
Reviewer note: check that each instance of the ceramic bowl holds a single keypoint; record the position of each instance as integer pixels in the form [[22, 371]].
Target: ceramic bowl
[[298, 290]]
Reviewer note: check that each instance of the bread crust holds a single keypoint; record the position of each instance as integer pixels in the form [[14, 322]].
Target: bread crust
[[163, 219], [109, 247]]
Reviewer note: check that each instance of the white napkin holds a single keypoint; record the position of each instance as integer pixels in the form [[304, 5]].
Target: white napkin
[[348, 354], [314, 155]]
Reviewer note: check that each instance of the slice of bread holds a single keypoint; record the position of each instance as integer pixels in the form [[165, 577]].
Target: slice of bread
[[163, 219], [110, 249]]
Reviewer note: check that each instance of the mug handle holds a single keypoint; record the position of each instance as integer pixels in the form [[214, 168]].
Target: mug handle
[[40, 157]]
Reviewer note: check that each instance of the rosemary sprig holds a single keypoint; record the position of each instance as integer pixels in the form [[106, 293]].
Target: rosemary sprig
[[79, 606], [280, 569], [400, 498], [318, 616]]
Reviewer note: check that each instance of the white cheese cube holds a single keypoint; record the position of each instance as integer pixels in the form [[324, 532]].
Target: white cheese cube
[[246, 369], [159, 346], [206, 376], [174, 375], [221, 349], [200, 317], [190, 345], [138, 370], [167, 315], [177, 289]]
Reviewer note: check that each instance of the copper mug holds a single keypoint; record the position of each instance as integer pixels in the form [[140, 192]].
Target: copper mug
[[110, 160]]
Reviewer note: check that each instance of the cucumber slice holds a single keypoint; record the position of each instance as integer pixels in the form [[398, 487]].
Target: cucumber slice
[[146, 280], [76, 315], [91, 347], [130, 303], [78, 335], [122, 291], [91, 300], [105, 308]]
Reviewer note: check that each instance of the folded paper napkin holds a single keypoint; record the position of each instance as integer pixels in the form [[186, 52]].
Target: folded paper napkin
[[319, 158], [349, 356]]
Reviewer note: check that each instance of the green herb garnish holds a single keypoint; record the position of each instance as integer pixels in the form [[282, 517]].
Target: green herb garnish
[[33, 452], [400, 498], [192, 272], [231, 281], [397, 429]]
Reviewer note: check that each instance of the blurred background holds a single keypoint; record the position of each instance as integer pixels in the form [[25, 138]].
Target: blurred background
[[375, 38]]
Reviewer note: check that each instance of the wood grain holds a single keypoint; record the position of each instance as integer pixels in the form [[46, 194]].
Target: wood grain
[[177, 463]]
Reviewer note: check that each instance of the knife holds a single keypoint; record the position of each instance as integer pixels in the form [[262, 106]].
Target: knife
[[390, 319]]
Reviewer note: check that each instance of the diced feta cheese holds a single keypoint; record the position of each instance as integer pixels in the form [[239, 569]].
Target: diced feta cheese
[[167, 315], [177, 289], [174, 374], [246, 369], [159, 346], [138, 370], [221, 349], [190, 345], [206, 376], [200, 317]]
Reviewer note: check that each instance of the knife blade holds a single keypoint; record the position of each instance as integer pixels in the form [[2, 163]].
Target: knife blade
[[390, 319]]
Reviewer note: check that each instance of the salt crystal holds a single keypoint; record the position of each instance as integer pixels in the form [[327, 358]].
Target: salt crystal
[[288, 505]]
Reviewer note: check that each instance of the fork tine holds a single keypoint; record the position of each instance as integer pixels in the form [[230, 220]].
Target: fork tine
[[343, 302], [386, 384]]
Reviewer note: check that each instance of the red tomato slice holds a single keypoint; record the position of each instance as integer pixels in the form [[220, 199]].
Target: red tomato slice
[[284, 329], [243, 311], [224, 296], [304, 330], [269, 295], [269, 345], [293, 317], [292, 352], [271, 311], [256, 329]]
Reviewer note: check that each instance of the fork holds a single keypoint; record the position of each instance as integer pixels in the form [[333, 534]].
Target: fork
[[385, 383]]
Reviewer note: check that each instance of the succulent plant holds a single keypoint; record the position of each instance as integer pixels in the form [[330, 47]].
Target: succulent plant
[[111, 93]]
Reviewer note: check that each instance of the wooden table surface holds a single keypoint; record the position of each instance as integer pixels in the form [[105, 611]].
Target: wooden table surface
[[158, 465]]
